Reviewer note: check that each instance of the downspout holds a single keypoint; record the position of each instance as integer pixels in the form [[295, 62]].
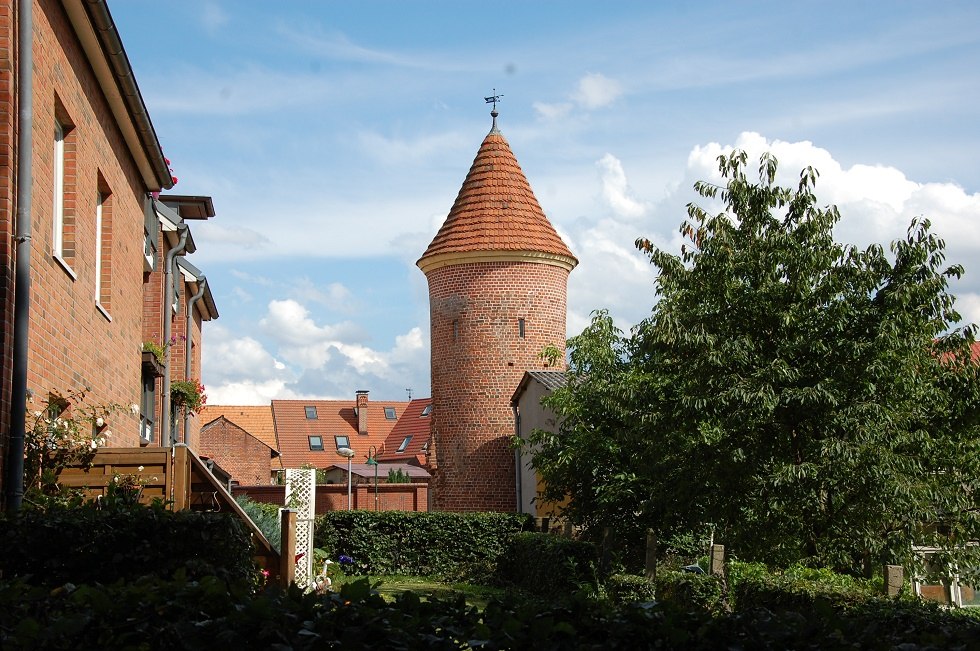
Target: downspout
[[14, 477], [168, 300], [517, 457], [189, 321]]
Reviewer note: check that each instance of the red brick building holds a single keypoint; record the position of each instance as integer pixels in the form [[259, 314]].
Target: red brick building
[[498, 275], [240, 454], [78, 225]]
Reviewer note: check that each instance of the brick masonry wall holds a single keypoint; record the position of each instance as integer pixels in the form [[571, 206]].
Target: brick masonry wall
[[242, 455], [478, 359], [333, 497], [72, 343], [8, 209]]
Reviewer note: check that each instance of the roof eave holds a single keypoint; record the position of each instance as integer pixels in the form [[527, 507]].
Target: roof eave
[[435, 261], [104, 50]]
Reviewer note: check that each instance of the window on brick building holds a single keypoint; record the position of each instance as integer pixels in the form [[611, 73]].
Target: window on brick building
[[390, 413], [405, 442], [310, 413], [426, 411], [316, 443], [520, 328], [147, 406], [103, 249], [342, 441], [455, 330]]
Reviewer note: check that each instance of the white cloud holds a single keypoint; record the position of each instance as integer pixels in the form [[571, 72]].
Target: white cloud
[[616, 190], [213, 16], [596, 91], [550, 112]]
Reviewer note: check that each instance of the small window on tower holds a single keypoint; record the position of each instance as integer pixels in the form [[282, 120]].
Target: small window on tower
[[455, 330], [520, 328]]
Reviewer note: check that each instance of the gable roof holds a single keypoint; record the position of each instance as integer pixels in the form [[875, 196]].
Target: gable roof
[[412, 423], [551, 380], [256, 420], [496, 216], [334, 418], [216, 422]]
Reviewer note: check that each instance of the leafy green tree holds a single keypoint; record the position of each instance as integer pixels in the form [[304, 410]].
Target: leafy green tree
[[811, 399]]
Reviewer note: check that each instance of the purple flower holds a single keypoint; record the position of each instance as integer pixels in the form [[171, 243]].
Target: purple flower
[[344, 559]]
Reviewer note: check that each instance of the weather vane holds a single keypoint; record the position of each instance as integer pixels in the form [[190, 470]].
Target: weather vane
[[493, 99]]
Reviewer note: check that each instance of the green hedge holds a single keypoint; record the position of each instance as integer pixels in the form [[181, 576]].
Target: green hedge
[[86, 545], [547, 565], [630, 588], [797, 588], [197, 615], [451, 545]]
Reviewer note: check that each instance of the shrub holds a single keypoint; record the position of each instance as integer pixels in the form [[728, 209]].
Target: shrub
[[629, 588], [265, 516], [797, 588], [548, 565], [450, 545], [687, 591], [87, 545]]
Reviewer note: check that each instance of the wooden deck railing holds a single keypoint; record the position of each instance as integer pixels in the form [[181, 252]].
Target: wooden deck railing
[[179, 478]]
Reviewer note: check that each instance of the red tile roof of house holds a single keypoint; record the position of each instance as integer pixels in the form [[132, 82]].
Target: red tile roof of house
[[256, 420], [412, 423], [496, 210], [333, 418]]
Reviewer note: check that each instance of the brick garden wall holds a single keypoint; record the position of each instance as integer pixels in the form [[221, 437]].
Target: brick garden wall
[[333, 497], [478, 359]]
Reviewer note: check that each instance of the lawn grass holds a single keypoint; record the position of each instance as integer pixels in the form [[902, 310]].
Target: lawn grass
[[393, 585]]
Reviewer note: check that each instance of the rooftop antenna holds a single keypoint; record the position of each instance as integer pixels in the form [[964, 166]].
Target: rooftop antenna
[[409, 392], [493, 99]]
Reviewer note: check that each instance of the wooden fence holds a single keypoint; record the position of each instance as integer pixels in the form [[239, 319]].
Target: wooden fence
[[179, 478]]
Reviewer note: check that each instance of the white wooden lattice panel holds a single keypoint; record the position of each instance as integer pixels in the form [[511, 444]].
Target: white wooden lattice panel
[[301, 497]]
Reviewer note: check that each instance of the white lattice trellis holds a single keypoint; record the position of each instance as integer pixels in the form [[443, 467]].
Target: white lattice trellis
[[301, 497]]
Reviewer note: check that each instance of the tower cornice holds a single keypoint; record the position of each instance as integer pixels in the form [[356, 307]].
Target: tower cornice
[[432, 262]]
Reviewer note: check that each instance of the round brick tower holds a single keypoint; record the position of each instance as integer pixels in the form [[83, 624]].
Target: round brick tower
[[498, 278]]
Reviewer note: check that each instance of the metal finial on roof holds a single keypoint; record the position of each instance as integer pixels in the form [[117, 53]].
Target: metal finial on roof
[[493, 99]]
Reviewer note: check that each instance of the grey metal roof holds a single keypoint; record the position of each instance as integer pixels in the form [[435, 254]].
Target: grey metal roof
[[551, 380]]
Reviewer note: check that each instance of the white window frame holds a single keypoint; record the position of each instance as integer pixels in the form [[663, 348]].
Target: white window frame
[[99, 200], [58, 172]]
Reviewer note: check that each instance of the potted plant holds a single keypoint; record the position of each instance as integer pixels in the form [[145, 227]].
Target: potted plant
[[188, 394]]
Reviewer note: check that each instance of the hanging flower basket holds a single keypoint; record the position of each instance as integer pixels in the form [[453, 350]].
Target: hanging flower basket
[[188, 394]]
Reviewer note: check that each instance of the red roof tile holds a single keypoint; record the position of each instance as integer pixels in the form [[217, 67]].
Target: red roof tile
[[412, 423], [496, 210], [334, 418]]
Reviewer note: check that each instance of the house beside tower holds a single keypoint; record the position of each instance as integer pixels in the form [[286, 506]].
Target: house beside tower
[[498, 275]]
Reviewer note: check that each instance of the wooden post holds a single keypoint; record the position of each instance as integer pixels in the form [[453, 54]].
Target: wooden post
[[717, 560], [894, 578], [651, 560], [287, 547]]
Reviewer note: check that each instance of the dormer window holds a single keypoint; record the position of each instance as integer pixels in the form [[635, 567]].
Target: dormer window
[[310, 413], [405, 442], [390, 413], [426, 411], [316, 443]]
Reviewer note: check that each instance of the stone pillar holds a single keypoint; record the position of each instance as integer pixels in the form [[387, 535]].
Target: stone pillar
[[894, 578], [717, 563]]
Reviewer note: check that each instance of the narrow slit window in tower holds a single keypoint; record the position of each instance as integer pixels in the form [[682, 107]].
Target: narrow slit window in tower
[[455, 330], [520, 328]]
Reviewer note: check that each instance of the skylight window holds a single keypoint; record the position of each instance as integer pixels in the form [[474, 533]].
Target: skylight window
[[316, 443], [390, 413], [405, 442], [310, 413], [426, 411], [342, 441]]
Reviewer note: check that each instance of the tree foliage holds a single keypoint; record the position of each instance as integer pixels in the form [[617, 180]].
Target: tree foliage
[[811, 399]]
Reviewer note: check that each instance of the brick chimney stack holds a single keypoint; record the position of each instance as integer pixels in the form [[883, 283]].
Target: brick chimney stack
[[362, 412]]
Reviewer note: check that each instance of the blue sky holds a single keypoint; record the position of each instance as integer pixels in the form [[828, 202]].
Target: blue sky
[[334, 136]]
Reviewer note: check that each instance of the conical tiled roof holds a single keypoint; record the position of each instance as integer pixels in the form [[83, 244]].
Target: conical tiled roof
[[496, 216]]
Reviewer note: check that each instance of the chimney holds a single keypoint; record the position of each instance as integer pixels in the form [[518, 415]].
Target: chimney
[[362, 412]]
